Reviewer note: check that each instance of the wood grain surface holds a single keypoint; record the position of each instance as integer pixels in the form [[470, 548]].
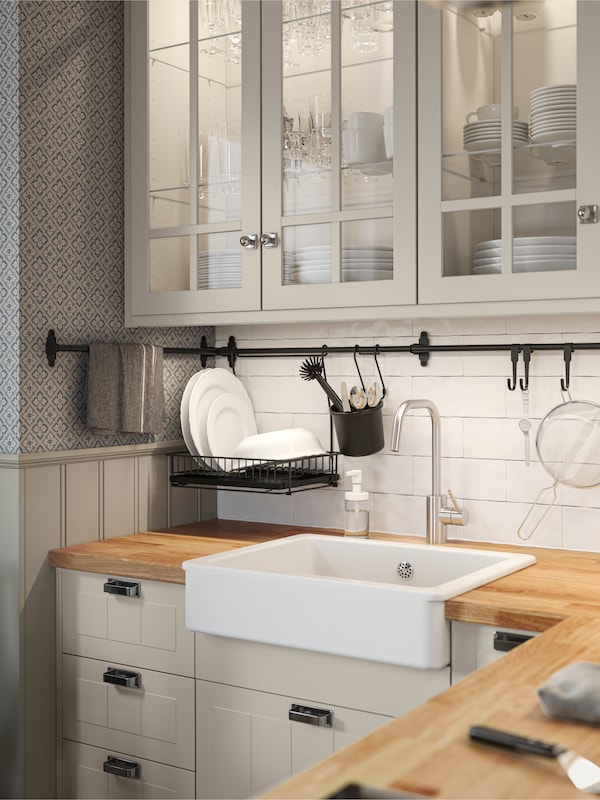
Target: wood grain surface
[[427, 750]]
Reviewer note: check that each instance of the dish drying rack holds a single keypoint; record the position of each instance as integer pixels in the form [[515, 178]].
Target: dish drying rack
[[254, 475]]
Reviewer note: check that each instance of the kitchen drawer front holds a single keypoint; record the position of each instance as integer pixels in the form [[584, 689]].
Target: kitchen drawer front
[[154, 720], [148, 631], [84, 778], [253, 731]]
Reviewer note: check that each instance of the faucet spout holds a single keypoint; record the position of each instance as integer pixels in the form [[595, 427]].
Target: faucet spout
[[436, 529]]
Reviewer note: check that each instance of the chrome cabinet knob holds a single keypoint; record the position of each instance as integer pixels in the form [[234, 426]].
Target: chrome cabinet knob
[[269, 240], [249, 241]]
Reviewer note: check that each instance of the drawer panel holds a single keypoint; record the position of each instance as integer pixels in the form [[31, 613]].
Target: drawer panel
[[147, 631], [153, 720], [83, 776]]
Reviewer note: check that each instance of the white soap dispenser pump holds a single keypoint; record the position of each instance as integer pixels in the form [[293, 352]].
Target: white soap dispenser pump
[[356, 508]]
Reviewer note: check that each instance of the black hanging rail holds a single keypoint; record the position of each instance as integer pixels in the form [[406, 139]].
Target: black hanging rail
[[423, 348]]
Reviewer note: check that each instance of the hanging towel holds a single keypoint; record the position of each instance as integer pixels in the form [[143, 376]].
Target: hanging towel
[[125, 391]]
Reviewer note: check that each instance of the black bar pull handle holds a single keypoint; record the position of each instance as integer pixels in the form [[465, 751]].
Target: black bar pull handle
[[121, 767], [504, 641], [322, 717], [123, 588], [122, 677]]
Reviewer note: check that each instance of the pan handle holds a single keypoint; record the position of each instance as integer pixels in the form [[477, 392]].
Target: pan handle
[[482, 733]]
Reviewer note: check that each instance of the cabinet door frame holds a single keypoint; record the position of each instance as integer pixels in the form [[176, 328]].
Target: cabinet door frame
[[139, 300], [434, 288], [402, 210]]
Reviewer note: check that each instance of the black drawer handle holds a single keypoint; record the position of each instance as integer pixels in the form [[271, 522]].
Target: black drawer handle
[[508, 641], [121, 767], [124, 588], [122, 677], [322, 717]]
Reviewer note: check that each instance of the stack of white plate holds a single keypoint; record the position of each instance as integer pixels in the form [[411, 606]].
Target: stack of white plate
[[220, 269], [486, 134], [359, 263], [553, 115], [216, 415], [530, 254]]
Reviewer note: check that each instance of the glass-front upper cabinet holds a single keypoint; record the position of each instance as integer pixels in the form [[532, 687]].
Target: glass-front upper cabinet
[[338, 153], [272, 157], [194, 156], [509, 172]]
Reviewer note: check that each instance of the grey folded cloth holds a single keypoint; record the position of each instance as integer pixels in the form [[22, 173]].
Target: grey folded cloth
[[125, 390], [573, 692]]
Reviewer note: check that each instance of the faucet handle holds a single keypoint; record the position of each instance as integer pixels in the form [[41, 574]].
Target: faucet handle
[[453, 515]]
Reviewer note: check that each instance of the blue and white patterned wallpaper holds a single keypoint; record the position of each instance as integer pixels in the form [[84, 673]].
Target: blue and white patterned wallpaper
[[9, 227], [71, 205]]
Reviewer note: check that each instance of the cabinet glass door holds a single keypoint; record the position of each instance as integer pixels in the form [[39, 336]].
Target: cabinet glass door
[[338, 139], [201, 189], [504, 95]]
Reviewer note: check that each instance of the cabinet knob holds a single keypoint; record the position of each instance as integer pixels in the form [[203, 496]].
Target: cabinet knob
[[587, 214], [269, 240], [323, 717], [121, 767], [249, 241]]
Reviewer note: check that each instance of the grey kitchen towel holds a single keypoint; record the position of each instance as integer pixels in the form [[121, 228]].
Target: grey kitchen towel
[[125, 390], [573, 692]]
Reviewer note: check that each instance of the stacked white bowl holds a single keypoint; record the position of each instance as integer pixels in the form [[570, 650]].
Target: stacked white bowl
[[388, 130]]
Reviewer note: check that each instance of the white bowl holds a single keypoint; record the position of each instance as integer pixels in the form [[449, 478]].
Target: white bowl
[[365, 119], [388, 137], [279, 445]]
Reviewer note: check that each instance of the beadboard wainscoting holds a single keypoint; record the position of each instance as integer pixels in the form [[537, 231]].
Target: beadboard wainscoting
[[483, 454], [53, 500]]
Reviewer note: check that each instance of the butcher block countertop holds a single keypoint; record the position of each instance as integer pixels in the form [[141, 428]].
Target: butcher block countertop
[[427, 751]]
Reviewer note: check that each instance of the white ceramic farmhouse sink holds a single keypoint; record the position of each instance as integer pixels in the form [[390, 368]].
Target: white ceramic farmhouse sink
[[337, 595]]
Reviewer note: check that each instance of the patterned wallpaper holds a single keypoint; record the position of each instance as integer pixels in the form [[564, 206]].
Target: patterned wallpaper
[[71, 205], [9, 227]]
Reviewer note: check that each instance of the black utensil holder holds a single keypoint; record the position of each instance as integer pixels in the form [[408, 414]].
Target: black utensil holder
[[359, 433]]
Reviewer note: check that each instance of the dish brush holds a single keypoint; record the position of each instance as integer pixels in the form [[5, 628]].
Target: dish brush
[[311, 370]]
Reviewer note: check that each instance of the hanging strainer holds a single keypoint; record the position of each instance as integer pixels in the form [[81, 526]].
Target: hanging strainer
[[568, 447]]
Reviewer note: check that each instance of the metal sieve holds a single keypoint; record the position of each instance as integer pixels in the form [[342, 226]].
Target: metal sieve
[[568, 447]]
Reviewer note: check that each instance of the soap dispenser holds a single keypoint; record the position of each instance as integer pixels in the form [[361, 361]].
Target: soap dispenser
[[356, 516]]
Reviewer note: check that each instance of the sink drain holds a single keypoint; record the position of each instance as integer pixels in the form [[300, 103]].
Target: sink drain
[[405, 570]]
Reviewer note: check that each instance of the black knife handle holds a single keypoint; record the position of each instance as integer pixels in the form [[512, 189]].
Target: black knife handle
[[482, 733]]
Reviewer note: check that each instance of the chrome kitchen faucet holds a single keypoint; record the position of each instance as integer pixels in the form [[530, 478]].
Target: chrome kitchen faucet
[[438, 514]]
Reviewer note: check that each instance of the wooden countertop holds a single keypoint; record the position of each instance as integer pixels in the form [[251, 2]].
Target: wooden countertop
[[427, 750]]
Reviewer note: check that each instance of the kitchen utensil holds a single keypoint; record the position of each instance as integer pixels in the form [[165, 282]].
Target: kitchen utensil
[[311, 370], [584, 774], [358, 399], [373, 394], [345, 396], [568, 447]]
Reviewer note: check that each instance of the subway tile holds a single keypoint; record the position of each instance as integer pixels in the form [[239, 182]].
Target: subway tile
[[464, 397], [496, 438], [400, 514], [255, 507], [580, 529], [499, 522]]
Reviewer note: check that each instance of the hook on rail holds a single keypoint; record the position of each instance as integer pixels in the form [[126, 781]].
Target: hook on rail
[[514, 357], [524, 384], [564, 382]]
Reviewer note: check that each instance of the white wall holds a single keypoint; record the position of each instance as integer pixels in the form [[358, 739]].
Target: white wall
[[482, 446]]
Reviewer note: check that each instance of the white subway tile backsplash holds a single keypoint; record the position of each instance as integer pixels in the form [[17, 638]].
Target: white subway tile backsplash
[[482, 446]]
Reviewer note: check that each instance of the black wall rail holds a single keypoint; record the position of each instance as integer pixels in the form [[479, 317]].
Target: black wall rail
[[422, 348]]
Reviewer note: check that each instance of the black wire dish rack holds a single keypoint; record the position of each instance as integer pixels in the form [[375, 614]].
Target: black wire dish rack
[[255, 475]]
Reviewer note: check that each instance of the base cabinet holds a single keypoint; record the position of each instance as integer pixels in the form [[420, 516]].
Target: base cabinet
[[84, 776], [253, 731], [127, 689], [475, 646], [250, 735]]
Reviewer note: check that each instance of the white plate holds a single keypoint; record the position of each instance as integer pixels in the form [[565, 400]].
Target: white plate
[[531, 265], [533, 250], [530, 240], [185, 412], [210, 384], [558, 87], [485, 270], [324, 276], [230, 419], [525, 260], [554, 136]]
